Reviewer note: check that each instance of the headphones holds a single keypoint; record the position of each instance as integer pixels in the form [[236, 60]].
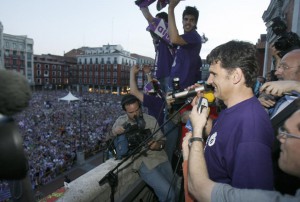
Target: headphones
[[129, 99]]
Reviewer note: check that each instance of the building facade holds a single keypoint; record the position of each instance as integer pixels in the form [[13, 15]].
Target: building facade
[[16, 53], [105, 68], [55, 72]]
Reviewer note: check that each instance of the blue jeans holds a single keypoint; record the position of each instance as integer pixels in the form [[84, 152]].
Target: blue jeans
[[160, 179]]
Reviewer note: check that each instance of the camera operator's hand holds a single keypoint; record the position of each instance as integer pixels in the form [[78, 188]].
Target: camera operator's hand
[[156, 145], [118, 130]]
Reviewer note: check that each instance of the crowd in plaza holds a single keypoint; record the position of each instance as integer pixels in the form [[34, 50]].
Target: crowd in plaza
[[54, 131]]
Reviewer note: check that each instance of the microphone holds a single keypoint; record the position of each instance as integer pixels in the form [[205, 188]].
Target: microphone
[[15, 92], [189, 93]]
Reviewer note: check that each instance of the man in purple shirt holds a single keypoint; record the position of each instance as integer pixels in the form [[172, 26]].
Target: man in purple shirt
[[238, 149], [187, 62]]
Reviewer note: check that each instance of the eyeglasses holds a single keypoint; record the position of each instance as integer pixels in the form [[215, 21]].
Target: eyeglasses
[[282, 133], [284, 66]]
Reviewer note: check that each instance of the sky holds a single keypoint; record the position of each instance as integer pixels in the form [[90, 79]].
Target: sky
[[58, 26]]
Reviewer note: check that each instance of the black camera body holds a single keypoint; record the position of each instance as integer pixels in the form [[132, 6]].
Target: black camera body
[[135, 136], [128, 142], [287, 41]]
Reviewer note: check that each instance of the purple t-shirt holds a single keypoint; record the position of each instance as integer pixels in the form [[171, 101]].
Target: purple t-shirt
[[238, 149], [187, 61], [155, 107], [163, 60]]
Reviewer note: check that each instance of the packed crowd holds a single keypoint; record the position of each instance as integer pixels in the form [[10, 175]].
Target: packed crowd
[[53, 131]]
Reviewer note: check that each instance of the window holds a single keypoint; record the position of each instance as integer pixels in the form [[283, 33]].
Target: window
[[53, 67], [107, 80], [53, 73], [115, 81]]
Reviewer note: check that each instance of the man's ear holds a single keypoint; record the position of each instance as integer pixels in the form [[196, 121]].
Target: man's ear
[[237, 75]]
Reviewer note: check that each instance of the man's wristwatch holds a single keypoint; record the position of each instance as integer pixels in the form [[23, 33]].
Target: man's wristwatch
[[192, 139]]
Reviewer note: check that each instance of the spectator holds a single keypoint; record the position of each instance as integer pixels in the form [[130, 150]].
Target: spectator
[[275, 97], [289, 73]]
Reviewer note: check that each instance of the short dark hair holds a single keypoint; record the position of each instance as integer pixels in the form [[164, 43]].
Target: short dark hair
[[129, 99], [189, 10], [162, 15], [237, 54]]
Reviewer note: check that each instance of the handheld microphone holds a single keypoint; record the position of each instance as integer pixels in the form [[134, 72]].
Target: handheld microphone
[[188, 93], [15, 92]]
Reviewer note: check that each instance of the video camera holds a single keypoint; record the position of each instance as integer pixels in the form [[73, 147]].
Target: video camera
[[128, 141], [287, 41]]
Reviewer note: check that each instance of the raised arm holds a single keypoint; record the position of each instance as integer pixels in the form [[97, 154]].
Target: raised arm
[[133, 86], [199, 184], [146, 13], [175, 38]]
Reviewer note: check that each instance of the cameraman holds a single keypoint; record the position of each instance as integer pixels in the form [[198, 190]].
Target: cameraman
[[153, 165]]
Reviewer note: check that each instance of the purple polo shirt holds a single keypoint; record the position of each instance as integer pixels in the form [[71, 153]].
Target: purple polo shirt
[[238, 149]]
